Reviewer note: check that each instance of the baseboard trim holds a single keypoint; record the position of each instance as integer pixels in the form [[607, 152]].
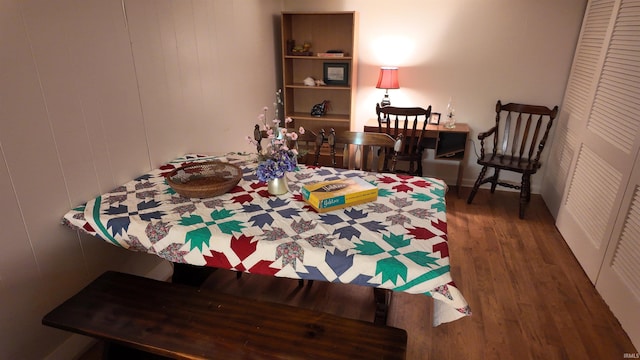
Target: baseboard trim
[[72, 348]]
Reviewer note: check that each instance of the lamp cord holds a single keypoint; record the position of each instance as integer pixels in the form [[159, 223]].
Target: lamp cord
[[474, 148]]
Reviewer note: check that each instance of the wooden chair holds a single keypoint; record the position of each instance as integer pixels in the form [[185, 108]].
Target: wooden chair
[[364, 150], [519, 136], [308, 144], [411, 122]]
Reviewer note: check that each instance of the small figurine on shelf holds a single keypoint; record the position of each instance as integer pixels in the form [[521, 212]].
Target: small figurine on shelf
[[299, 50], [309, 81], [320, 109]]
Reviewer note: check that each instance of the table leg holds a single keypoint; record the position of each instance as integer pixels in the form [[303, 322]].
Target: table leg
[[459, 179], [383, 299], [188, 274]]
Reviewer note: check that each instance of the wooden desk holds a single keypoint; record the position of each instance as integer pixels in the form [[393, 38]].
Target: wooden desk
[[449, 144]]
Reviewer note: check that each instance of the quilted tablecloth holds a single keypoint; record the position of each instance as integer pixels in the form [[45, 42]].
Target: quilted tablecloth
[[398, 242]]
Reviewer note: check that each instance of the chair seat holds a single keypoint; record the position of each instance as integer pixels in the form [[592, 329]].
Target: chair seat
[[511, 163]]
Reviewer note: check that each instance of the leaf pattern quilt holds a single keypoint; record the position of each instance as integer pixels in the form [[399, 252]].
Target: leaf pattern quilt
[[397, 242]]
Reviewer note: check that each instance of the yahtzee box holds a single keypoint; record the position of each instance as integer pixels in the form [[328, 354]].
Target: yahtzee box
[[336, 194]]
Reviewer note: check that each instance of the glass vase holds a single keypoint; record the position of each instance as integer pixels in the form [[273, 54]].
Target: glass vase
[[278, 186]]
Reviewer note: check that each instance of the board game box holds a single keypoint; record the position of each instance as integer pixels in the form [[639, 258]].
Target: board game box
[[337, 194]]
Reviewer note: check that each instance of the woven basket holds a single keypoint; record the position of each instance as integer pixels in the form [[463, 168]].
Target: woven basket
[[204, 180]]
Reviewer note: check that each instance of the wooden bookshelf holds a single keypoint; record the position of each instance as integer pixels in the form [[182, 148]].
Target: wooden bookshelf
[[324, 31]]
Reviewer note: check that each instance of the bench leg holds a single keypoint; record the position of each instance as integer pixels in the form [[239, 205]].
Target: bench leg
[[383, 299], [113, 351]]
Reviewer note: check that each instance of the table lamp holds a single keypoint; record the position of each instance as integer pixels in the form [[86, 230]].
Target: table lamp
[[388, 79]]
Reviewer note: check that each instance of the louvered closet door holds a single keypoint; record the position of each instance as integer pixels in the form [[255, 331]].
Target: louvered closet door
[[577, 101], [619, 279], [606, 133]]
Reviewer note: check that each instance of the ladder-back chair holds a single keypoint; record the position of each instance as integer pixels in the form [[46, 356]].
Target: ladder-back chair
[[411, 123], [366, 151], [519, 137]]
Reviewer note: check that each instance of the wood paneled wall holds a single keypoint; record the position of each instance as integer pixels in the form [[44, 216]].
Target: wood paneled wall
[[92, 94]]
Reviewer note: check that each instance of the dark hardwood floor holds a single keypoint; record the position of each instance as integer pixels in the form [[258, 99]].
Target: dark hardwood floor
[[529, 296]]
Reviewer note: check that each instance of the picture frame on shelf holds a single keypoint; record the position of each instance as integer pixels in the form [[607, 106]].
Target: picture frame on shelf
[[336, 73], [435, 118]]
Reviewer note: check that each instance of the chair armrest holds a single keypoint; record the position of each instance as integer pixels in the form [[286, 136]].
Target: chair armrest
[[489, 132], [397, 147]]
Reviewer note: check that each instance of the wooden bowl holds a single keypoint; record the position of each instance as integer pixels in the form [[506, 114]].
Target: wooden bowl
[[205, 179]]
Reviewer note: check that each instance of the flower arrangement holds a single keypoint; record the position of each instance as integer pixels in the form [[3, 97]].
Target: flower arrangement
[[281, 154]]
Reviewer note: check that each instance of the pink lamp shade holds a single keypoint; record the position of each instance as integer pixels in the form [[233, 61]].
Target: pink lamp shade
[[388, 78]]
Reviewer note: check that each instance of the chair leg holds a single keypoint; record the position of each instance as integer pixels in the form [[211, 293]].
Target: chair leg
[[528, 188], [385, 163], [301, 283], [525, 194], [494, 180], [476, 185]]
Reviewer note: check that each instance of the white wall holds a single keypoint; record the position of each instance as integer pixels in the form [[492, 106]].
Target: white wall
[[474, 51], [90, 98]]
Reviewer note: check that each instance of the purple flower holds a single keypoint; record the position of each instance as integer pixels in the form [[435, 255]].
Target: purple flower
[[277, 165]]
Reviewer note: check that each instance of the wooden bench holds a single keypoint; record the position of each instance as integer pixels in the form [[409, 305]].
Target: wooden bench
[[184, 322]]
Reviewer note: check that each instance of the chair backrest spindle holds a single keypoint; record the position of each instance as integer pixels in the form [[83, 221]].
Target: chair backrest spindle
[[534, 139], [525, 135], [517, 139]]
